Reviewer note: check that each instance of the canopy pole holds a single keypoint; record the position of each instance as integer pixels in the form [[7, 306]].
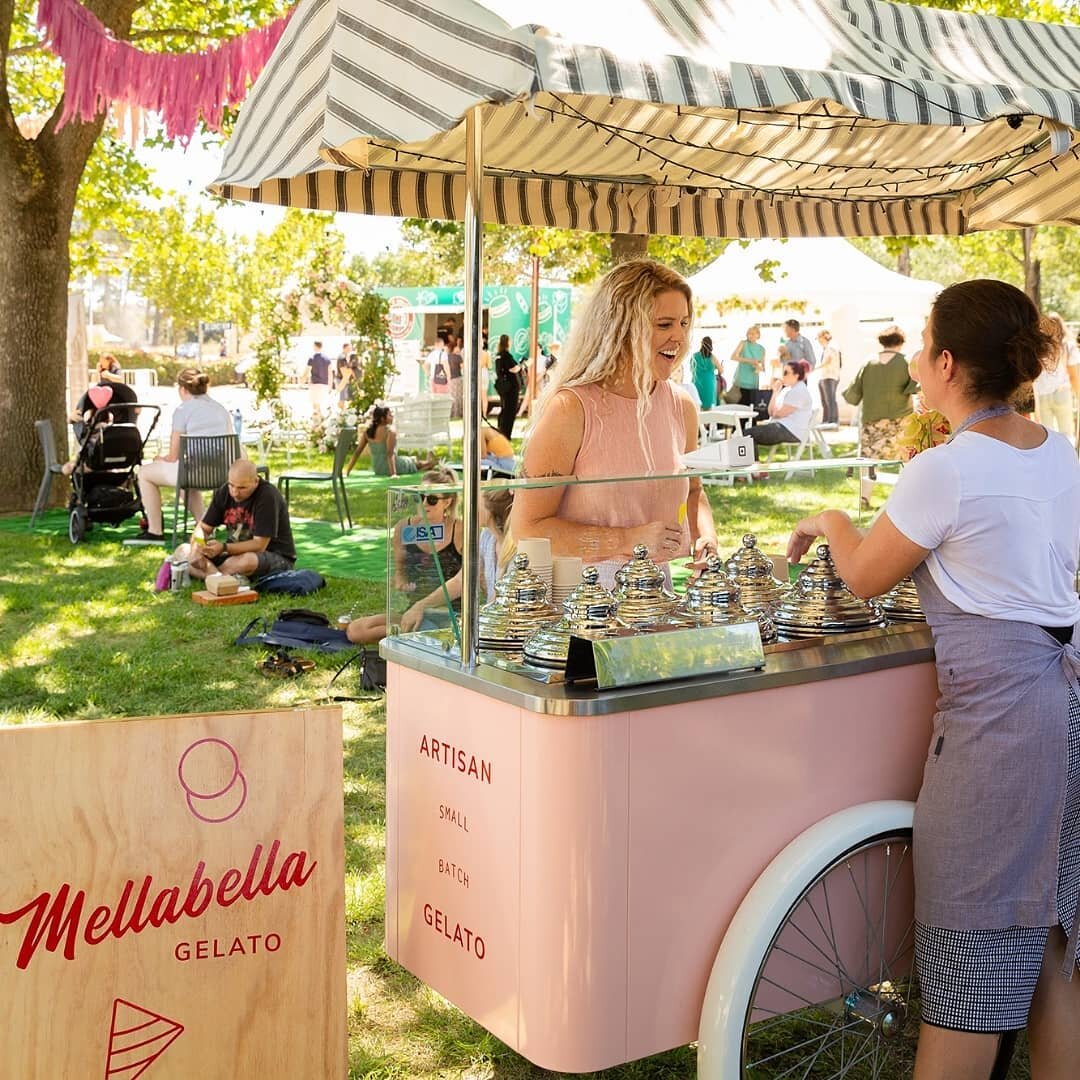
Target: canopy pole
[[474, 329]]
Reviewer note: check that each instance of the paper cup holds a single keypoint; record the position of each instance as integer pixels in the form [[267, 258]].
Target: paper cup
[[538, 548], [566, 570]]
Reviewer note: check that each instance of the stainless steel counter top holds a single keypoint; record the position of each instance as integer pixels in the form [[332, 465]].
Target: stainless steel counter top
[[848, 654]]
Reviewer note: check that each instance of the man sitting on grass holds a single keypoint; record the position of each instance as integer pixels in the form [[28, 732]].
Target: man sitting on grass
[[259, 540]]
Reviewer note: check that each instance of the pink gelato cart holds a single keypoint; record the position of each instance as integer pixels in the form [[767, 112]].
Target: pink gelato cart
[[597, 877]]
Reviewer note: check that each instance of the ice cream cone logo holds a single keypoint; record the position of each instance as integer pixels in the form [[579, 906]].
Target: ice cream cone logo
[[137, 1038], [210, 775]]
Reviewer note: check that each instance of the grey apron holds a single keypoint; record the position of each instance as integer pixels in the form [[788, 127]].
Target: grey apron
[[988, 817]]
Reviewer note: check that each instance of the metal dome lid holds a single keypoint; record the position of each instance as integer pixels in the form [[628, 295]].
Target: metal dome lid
[[752, 571], [589, 611], [641, 591], [901, 602], [820, 603], [519, 607], [713, 597]]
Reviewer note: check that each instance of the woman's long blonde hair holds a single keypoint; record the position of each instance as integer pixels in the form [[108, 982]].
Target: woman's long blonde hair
[[1055, 326], [618, 323]]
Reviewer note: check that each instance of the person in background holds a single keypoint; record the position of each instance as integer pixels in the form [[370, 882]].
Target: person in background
[[259, 538], [344, 377], [483, 382], [197, 414], [704, 367], [438, 361], [507, 386], [790, 409], [495, 507], [611, 410], [380, 440], [749, 358], [457, 382], [108, 374], [1053, 393], [798, 345], [828, 378], [498, 451], [884, 388], [987, 525], [428, 569], [318, 375]]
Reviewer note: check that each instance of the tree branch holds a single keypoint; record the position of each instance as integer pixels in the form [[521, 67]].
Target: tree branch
[[7, 14]]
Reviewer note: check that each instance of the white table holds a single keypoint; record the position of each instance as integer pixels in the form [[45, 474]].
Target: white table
[[731, 416]]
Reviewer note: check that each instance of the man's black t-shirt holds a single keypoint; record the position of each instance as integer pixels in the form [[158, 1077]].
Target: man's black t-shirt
[[263, 513]]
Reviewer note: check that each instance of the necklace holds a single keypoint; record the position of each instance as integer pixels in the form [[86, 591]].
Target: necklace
[[979, 416]]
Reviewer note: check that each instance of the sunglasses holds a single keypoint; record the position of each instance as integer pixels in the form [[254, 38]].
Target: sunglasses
[[434, 500]]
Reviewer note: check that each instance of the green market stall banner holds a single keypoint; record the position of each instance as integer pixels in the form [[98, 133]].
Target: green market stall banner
[[509, 311]]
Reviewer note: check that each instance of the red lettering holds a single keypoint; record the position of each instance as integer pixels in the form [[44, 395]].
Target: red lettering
[[201, 950], [217, 953], [55, 924], [427, 914], [485, 771], [165, 908], [481, 948], [276, 939], [457, 938], [97, 926], [182, 951], [237, 947], [247, 890], [424, 746], [254, 939], [265, 885], [229, 880]]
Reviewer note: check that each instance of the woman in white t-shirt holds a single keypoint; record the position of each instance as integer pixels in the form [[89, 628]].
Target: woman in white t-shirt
[[1053, 391], [790, 408], [989, 525], [197, 414]]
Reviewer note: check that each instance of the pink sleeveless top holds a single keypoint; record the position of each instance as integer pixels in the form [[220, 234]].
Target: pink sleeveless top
[[610, 446]]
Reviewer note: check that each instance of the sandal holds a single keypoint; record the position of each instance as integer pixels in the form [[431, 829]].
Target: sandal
[[281, 665]]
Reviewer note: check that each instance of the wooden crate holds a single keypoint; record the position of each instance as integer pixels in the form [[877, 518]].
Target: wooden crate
[[172, 898]]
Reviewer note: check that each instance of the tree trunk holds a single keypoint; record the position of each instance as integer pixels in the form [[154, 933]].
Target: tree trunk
[[903, 261], [1032, 266], [39, 179], [628, 246]]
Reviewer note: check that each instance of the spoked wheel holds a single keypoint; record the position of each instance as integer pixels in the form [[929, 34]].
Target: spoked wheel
[[78, 524], [836, 994]]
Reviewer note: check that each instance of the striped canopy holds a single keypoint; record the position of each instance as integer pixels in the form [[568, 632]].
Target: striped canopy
[[739, 118]]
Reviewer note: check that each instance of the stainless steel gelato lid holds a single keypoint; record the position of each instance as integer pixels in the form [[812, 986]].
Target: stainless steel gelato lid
[[820, 603]]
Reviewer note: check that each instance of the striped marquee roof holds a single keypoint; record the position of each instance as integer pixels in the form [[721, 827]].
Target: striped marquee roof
[[696, 117]]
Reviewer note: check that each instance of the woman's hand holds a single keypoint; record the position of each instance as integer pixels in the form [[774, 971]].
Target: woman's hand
[[403, 585], [802, 537], [213, 548], [704, 549], [662, 540], [412, 618]]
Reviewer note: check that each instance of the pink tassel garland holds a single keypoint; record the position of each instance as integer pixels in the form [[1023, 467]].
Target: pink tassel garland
[[180, 87]]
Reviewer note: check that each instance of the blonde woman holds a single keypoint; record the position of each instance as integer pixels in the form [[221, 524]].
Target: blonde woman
[[1053, 394], [828, 378], [611, 410]]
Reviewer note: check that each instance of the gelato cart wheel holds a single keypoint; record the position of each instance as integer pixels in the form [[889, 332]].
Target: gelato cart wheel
[[816, 973]]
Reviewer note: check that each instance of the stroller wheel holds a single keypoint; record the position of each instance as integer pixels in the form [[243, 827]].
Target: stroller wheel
[[77, 524]]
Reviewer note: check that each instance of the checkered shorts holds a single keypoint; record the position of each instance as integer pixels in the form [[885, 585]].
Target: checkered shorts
[[984, 980]]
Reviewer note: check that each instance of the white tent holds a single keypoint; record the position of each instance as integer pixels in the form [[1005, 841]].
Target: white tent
[[821, 282]]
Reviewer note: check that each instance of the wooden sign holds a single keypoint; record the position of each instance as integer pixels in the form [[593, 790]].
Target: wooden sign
[[172, 898]]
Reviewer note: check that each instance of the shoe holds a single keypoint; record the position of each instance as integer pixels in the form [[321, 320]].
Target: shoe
[[145, 538]]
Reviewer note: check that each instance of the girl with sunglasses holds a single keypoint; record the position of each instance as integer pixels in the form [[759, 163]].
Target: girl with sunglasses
[[427, 569]]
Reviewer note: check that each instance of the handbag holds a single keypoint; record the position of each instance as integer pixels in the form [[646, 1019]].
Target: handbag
[[439, 376]]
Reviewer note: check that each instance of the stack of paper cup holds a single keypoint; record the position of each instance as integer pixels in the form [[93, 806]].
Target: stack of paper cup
[[538, 548], [565, 577]]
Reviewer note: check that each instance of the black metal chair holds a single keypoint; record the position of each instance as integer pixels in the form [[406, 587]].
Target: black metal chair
[[335, 478], [203, 465], [53, 466]]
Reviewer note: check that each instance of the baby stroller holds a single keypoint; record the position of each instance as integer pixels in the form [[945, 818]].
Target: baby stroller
[[104, 485]]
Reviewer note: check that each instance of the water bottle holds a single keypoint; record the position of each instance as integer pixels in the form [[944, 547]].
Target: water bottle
[[238, 421]]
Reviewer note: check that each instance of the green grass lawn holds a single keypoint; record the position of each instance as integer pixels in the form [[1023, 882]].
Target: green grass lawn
[[83, 636]]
